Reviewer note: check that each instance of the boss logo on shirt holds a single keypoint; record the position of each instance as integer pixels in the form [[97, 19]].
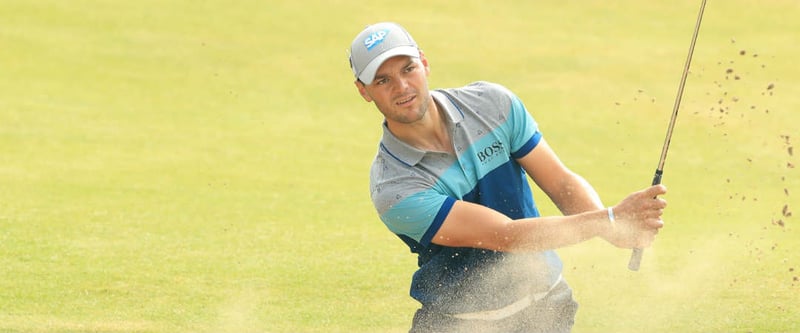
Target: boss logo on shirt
[[490, 151]]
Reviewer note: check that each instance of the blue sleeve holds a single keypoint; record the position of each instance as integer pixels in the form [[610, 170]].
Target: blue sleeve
[[525, 133], [418, 216]]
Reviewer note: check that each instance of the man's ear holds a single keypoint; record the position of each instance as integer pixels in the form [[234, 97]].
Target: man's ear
[[362, 89], [424, 61]]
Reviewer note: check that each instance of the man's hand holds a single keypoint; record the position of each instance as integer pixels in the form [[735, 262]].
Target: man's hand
[[638, 218]]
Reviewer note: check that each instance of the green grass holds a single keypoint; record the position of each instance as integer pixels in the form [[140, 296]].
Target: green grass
[[202, 166]]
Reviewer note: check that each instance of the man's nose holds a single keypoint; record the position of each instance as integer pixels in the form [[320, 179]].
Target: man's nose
[[401, 84]]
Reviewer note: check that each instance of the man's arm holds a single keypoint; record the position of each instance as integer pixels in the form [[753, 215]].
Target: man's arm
[[473, 225], [638, 216], [570, 192]]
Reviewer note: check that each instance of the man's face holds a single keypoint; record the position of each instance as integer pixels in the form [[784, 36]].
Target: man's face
[[400, 89]]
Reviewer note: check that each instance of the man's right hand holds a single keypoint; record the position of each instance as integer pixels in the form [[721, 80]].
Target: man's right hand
[[638, 218]]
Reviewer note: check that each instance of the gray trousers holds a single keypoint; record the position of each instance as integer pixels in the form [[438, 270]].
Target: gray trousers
[[555, 313]]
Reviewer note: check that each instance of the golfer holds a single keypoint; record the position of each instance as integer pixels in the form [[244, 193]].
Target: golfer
[[450, 180]]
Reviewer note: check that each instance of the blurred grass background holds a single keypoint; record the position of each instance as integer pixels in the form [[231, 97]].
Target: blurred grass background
[[176, 166]]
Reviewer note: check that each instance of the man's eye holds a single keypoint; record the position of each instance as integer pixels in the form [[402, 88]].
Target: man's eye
[[410, 69], [381, 81]]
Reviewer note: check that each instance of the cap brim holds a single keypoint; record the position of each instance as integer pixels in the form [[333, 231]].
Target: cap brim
[[368, 74]]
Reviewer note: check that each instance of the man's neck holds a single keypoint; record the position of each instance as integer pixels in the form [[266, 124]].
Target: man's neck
[[431, 133]]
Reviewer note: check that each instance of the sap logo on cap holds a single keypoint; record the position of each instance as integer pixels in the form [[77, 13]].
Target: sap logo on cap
[[375, 38]]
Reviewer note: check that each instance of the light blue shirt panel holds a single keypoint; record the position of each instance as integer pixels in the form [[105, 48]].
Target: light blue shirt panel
[[415, 214]]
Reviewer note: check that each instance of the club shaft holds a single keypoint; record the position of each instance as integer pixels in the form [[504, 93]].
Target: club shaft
[[636, 255]]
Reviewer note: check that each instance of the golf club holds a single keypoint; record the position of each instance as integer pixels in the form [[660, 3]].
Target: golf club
[[636, 256]]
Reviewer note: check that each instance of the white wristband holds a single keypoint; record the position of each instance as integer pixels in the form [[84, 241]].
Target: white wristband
[[611, 216]]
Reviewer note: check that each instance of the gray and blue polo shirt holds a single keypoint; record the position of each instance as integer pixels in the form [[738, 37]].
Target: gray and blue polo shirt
[[413, 191]]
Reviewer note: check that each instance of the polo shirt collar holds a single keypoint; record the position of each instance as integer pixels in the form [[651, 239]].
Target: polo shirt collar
[[408, 154]]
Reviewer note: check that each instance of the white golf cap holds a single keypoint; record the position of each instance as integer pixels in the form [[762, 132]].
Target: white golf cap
[[375, 44]]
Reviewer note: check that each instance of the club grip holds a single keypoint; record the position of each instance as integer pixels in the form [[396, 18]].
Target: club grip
[[657, 177], [636, 259], [636, 255]]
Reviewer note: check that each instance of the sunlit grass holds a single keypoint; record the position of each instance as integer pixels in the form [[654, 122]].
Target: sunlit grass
[[202, 166]]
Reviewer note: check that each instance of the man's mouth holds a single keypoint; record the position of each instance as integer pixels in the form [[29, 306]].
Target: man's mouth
[[406, 100]]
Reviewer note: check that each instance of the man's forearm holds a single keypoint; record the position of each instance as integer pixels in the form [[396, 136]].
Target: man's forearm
[[545, 233], [575, 195]]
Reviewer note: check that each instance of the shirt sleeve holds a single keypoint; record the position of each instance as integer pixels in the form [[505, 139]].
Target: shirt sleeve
[[525, 134], [408, 204], [418, 216]]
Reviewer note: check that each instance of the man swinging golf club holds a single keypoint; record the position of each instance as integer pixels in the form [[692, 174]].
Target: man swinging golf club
[[450, 180]]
